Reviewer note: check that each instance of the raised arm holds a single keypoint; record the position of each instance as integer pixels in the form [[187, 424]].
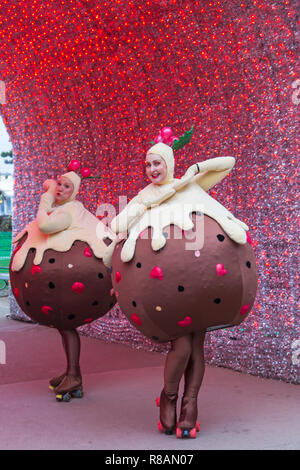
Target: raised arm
[[213, 170], [207, 173], [51, 223]]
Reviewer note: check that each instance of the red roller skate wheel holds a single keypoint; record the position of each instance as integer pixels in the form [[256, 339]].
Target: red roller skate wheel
[[197, 426], [160, 427], [193, 433], [178, 433]]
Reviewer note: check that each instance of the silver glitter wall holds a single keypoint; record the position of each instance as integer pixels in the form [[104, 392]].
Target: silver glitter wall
[[97, 80]]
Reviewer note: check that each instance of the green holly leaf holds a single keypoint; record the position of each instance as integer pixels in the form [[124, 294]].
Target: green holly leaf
[[183, 140]]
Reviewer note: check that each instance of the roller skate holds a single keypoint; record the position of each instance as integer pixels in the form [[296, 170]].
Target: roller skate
[[70, 387], [167, 405], [55, 381], [188, 426]]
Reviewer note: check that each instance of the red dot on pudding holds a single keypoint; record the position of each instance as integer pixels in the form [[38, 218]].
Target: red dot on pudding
[[16, 292], [35, 269], [221, 271], [136, 319], [88, 320], [244, 309], [46, 309], [156, 273], [118, 277], [87, 252], [187, 321], [78, 287]]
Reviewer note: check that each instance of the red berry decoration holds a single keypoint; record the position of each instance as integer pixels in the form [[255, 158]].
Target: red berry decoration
[[85, 172], [74, 165], [166, 133]]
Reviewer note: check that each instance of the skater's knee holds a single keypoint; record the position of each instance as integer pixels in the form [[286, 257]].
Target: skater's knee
[[182, 347]]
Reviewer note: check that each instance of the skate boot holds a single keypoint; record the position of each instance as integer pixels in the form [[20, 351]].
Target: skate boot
[[188, 426], [55, 381], [70, 387], [167, 404]]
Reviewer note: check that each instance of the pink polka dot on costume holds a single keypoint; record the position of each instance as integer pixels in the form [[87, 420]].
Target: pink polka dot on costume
[[46, 309], [87, 252], [78, 287], [158, 308], [16, 292], [118, 277], [136, 319], [187, 321], [244, 309], [156, 273], [197, 253], [221, 271], [35, 269]]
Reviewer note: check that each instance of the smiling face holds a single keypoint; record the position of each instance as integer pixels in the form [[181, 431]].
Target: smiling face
[[64, 190], [156, 168]]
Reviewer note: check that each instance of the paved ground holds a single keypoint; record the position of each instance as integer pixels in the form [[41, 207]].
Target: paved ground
[[236, 411]]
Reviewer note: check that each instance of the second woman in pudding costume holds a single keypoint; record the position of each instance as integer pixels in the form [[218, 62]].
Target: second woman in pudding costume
[[57, 274]]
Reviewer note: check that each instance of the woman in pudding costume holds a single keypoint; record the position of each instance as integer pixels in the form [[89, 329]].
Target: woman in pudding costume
[[172, 290], [57, 274]]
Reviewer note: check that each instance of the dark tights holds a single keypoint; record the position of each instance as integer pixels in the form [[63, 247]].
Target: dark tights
[[71, 344], [186, 357]]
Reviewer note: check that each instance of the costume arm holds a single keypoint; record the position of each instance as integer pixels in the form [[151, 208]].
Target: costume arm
[[207, 173], [213, 170], [135, 208], [54, 222]]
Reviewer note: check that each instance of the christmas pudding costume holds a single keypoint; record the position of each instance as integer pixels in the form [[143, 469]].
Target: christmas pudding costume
[[57, 274], [186, 266]]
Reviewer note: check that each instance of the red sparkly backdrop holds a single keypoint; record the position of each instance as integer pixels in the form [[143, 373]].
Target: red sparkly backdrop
[[96, 80]]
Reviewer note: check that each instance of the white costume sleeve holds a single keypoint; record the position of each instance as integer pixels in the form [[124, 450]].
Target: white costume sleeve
[[207, 173], [51, 223], [135, 208]]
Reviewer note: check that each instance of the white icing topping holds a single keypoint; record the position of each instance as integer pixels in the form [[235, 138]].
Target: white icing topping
[[177, 210], [84, 227]]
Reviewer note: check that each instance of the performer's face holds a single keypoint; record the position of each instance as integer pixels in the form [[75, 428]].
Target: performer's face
[[64, 189], [156, 168]]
